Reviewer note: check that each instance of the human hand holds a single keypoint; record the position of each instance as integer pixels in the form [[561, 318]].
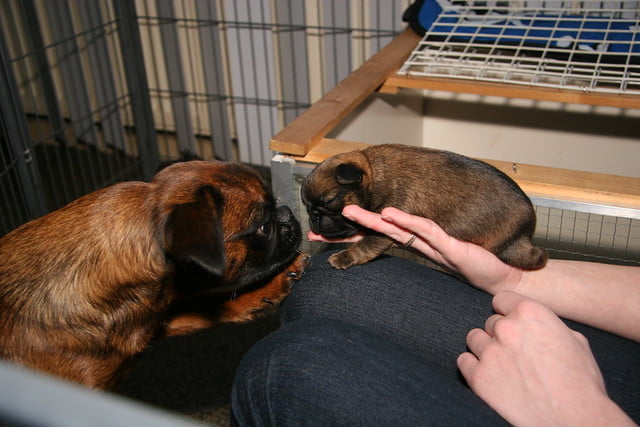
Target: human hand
[[533, 370], [479, 266]]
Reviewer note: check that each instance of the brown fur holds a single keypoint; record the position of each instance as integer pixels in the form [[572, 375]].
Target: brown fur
[[469, 199], [85, 288]]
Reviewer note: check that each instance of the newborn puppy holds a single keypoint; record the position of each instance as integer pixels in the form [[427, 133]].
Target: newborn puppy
[[469, 199]]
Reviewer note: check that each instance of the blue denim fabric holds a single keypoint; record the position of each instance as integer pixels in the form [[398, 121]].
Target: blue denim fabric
[[377, 345]]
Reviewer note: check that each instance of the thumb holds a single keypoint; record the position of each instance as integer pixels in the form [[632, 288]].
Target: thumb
[[505, 302]]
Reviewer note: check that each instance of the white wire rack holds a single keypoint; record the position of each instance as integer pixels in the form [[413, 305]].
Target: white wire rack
[[582, 235], [587, 46]]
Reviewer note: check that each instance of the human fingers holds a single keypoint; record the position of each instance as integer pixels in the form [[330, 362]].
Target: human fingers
[[377, 222], [425, 228], [422, 235], [315, 237], [467, 363], [455, 253], [490, 324], [398, 225], [481, 267], [374, 221], [505, 302], [477, 341], [414, 234], [369, 219]]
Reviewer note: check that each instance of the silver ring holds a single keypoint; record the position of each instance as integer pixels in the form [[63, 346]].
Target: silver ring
[[410, 241]]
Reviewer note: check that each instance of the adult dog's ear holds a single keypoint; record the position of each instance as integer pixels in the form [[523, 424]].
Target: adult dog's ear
[[194, 232]]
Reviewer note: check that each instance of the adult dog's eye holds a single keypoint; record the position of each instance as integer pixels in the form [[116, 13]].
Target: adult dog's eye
[[265, 229]]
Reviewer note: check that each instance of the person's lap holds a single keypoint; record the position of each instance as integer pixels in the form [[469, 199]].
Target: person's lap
[[326, 372], [378, 343]]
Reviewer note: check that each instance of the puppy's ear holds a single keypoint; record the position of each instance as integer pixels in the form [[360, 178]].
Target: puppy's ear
[[349, 174], [194, 231]]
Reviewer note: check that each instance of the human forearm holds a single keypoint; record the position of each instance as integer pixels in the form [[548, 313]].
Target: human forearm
[[600, 295]]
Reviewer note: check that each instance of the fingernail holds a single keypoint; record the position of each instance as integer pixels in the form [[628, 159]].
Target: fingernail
[[386, 218]]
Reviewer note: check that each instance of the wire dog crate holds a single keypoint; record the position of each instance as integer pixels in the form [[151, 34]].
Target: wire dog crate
[[95, 92]]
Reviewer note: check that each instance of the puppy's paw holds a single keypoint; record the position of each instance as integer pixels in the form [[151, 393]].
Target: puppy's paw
[[250, 305], [367, 249], [343, 260]]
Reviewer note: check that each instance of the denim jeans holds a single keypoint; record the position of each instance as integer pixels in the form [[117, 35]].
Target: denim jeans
[[377, 345]]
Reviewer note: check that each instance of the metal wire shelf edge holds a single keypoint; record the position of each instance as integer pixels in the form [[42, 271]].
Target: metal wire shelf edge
[[593, 208]]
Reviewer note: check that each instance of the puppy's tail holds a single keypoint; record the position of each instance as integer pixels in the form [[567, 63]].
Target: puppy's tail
[[522, 254]]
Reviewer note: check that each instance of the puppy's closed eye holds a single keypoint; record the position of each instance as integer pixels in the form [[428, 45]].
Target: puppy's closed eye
[[330, 198]]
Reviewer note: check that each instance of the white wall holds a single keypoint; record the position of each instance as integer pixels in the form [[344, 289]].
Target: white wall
[[604, 140]]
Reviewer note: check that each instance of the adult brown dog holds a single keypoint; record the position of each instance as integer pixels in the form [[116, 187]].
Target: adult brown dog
[[85, 288], [469, 199]]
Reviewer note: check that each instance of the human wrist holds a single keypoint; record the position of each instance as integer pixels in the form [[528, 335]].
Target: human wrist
[[510, 281], [616, 416], [601, 411], [513, 281]]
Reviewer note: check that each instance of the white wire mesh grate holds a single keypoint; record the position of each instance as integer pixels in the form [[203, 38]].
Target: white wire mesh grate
[[581, 235], [588, 46]]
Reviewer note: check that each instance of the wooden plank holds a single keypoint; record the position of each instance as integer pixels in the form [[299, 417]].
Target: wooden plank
[[510, 91], [539, 181], [328, 147], [299, 136], [566, 184]]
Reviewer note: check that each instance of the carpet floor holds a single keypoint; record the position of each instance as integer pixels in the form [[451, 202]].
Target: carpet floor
[[192, 375]]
